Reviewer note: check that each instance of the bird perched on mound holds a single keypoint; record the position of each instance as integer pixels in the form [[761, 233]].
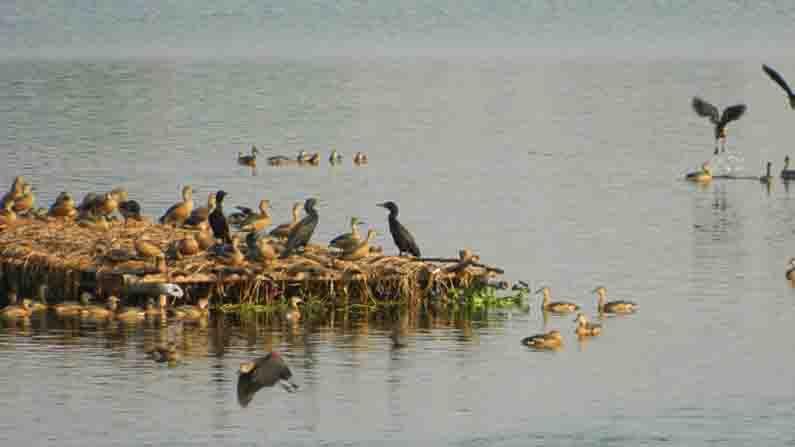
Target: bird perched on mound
[[263, 372], [731, 113], [403, 239], [347, 241], [781, 83], [218, 221], [301, 234], [180, 211], [130, 209], [283, 230]]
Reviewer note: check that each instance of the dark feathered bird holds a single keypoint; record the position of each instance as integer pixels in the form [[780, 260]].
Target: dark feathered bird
[[130, 209], [731, 113], [218, 220], [403, 239], [260, 373], [302, 232], [781, 82]]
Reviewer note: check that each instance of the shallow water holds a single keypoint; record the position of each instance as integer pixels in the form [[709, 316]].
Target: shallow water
[[565, 171]]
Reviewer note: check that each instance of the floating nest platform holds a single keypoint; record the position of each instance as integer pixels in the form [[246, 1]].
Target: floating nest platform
[[69, 259]]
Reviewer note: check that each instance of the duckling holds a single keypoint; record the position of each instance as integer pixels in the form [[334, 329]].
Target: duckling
[[7, 214], [202, 214], [25, 201], [360, 159], [191, 312], [283, 230], [293, 313], [16, 191], [346, 241], [163, 354], [16, 310], [257, 221], [586, 328], [550, 340], [248, 160], [701, 176], [791, 270], [787, 173], [156, 311], [613, 307], [146, 249], [560, 307], [100, 312], [335, 157], [767, 178], [130, 209], [64, 206], [96, 223], [188, 246], [180, 211], [361, 250]]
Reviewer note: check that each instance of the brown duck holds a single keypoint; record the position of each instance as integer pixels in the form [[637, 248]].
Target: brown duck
[[180, 211], [257, 221], [283, 230], [361, 250], [200, 215], [64, 206]]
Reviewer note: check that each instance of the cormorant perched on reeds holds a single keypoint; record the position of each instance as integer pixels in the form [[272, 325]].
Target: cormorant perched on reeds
[[300, 234], [731, 113], [262, 372], [403, 239], [781, 82], [218, 220], [130, 209]]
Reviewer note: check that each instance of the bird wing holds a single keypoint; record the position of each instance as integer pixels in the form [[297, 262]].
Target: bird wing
[[703, 108], [732, 113], [168, 213], [300, 235], [777, 79]]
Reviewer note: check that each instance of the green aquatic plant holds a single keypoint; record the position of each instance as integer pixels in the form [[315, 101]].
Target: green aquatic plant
[[484, 296]]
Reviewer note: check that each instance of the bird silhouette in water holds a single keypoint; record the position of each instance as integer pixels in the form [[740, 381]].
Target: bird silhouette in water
[[301, 233], [263, 372], [218, 220], [781, 83], [403, 239], [731, 113]]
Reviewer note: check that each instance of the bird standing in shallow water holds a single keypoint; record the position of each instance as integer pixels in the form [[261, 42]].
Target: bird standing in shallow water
[[218, 220], [263, 372], [302, 232], [781, 83], [731, 113], [403, 239]]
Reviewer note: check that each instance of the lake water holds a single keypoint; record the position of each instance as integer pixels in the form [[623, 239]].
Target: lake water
[[551, 139]]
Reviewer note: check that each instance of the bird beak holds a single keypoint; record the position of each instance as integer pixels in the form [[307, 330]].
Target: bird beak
[[382, 205]]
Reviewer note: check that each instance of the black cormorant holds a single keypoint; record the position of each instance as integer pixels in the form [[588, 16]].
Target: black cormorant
[[781, 82], [403, 239], [218, 220], [731, 113], [130, 209], [302, 232]]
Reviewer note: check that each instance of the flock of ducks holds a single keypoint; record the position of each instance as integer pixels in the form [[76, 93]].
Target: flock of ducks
[[553, 340], [302, 159], [734, 113]]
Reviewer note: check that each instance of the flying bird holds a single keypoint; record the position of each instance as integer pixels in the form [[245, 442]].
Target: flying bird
[[731, 113], [781, 82]]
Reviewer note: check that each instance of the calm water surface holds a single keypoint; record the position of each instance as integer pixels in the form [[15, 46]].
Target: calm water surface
[[562, 167]]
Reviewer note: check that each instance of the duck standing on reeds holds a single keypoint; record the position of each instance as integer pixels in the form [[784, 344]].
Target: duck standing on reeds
[[257, 221], [360, 250], [346, 241], [199, 216], [560, 307], [248, 160], [25, 202], [786, 172], [14, 192], [550, 340], [301, 234], [231, 256], [146, 249], [613, 307], [218, 221], [188, 246], [264, 249], [7, 215], [283, 231], [180, 211], [731, 113], [400, 235], [263, 372], [64, 206]]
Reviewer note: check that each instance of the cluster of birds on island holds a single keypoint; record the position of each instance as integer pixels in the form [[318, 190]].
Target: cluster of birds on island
[[734, 113]]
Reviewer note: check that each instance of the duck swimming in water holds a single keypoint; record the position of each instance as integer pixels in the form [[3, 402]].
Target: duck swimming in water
[[164, 354], [703, 175], [791, 270], [613, 307], [360, 158], [731, 113], [773, 74], [787, 173], [560, 307], [335, 157], [248, 160], [586, 328], [767, 178], [17, 310], [549, 340]]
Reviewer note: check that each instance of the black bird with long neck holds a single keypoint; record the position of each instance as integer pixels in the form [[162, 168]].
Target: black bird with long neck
[[218, 220], [301, 233], [731, 113], [403, 239]]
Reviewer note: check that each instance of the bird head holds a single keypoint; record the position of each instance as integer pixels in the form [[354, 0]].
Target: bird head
[[219, 196], [391, 206]]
